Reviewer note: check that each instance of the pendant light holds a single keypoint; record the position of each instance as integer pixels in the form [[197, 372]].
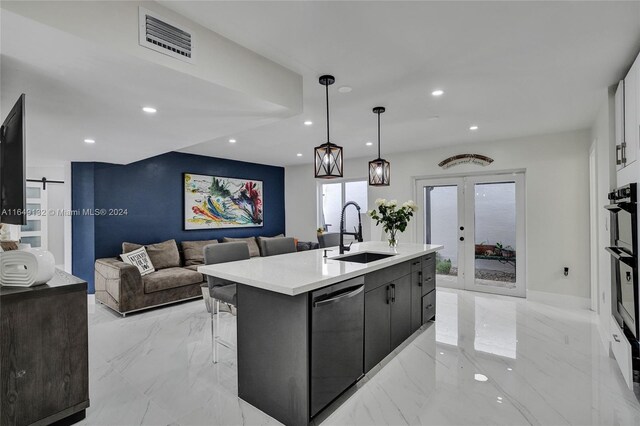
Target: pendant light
[[379, 169], [328, 156]]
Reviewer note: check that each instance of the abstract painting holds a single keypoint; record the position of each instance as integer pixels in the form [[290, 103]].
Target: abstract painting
[[212, 202]]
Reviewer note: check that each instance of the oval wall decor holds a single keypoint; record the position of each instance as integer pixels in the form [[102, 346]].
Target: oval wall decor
[[477, 159]]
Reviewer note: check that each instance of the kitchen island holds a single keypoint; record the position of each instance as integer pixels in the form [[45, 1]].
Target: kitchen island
[[311, 326]]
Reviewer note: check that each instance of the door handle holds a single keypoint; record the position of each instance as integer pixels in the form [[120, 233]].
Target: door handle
[[618, 158], [615, 337], [388, 294], [339, 297], [393, 293], [623, 153], [429, 306], [419, 278]]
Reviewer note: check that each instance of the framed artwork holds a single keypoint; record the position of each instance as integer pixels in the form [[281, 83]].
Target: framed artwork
[[215, 202]]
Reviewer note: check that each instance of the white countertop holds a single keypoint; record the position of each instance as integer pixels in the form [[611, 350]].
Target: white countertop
[[300, 272]]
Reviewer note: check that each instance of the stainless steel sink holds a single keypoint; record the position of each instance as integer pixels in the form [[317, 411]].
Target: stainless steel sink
[[364, 257]]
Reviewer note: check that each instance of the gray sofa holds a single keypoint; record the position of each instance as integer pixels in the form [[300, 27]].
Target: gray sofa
[[120, 286]]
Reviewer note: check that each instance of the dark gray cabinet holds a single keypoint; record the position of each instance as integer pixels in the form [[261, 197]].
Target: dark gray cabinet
[[416, 294], [44, 352], [393, 309], [377, 326], [400, 310]]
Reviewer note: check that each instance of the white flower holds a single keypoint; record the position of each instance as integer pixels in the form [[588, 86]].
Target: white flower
[[410, 205], [371, 212], [392, 203], [380, 201]]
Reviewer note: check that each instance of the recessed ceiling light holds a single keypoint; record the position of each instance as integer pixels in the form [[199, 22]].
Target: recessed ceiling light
[[90, 141], [509, 369], [437, 92], [480, 377], [369, 143], [441, 353], [299, 154], [149, 110], [344, 89], [308, 123], [232, 141], [474, 127]]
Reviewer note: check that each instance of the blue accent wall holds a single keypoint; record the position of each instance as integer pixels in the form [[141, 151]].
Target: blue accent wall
[[151, 191]]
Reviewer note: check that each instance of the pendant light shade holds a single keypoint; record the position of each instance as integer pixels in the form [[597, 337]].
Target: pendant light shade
[[379, 169], [328, 156]]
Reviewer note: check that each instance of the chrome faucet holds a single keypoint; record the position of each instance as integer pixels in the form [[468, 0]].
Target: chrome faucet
[[357, 233]]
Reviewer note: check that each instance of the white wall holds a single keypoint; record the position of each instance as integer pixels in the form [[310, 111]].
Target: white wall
[[56, 200], [557, 199], [602, 134]]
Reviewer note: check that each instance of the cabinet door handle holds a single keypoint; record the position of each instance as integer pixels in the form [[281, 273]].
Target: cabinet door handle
[[429, 306], [618, 159], [388, 294], [393, 293], [615, 337], [623, 153]]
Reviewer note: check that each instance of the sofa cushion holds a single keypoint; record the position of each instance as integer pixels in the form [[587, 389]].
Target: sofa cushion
[[170, 278], [254, 250], [193, 251], [163, 255]]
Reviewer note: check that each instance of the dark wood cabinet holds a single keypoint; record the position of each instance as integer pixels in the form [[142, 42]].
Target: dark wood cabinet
[[44, 352]]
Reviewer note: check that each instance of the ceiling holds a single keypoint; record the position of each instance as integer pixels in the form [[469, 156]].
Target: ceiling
[[76, 90], [511, 68]]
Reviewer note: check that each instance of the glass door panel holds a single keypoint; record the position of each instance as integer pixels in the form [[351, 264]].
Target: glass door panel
[[495, 220], [442, 203]]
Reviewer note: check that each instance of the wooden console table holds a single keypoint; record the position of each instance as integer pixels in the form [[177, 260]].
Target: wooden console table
[[44, 357]]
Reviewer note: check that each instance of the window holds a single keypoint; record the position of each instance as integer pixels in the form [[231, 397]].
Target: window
[[332, 196]]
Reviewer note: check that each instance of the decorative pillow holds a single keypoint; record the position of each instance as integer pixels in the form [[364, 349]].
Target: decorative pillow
[[254, 250], [140, 259], [8, 245], [193, 251], [163, 255]]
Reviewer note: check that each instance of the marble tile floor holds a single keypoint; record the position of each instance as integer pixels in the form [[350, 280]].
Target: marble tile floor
[[487, 360]]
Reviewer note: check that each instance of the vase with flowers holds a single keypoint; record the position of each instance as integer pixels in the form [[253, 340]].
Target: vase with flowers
[[392, 217]]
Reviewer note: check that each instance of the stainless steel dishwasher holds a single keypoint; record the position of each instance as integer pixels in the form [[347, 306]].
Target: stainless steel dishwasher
[[337, 340]]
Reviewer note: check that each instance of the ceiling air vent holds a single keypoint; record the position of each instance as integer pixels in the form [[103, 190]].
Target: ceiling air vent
[[163, 36]]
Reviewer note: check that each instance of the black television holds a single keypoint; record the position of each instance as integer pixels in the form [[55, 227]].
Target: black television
[[13, 167]]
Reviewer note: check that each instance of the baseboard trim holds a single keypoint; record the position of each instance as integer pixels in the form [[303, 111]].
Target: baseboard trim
[[91, 299], [561, 300]]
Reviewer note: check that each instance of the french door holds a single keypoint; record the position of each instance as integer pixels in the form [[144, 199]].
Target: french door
[[480, 221]]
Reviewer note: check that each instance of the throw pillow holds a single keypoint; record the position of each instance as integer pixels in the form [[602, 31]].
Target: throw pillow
[[163, 255], [254, 250], [193, 251], [140, 259]]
